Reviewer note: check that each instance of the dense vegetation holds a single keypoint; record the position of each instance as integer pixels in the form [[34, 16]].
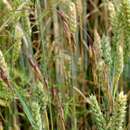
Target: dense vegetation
[[64, 64]]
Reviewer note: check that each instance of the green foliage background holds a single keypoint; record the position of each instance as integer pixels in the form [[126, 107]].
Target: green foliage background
[[64, 64]]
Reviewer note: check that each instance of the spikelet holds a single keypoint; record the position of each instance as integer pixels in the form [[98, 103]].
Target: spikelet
[[36, 115], [112, 12], [17, 44], [42, 96], [98, 52], [79, 7], [115, 23], [125, 20], [121, 26], [116, 26], [3, 66], [72, 16], [39, 102], [97, 45], [106, 50], [119, 112], [97, 114], [69, 9], [119, 64]]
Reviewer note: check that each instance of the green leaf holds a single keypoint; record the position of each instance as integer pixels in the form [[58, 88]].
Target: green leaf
[[26, 109]]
